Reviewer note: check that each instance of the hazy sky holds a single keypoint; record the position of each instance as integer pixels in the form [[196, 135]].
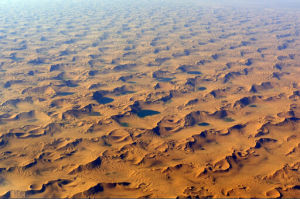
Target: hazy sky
[[269, 3], [12, 10]]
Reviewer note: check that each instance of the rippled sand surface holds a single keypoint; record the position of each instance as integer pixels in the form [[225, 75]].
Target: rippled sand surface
[[149, 99]]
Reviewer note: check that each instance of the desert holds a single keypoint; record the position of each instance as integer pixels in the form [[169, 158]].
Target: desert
[[149, 99]]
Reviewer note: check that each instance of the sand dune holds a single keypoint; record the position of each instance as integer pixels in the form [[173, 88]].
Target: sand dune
[[149, 99]]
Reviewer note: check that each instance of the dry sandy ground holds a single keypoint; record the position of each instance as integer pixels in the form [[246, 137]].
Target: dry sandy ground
[[220, 84]]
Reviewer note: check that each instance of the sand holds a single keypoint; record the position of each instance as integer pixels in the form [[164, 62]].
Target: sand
[[149, 99]]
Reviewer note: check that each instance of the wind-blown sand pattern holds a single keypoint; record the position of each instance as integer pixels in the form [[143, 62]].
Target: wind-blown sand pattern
[[149, 99]]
